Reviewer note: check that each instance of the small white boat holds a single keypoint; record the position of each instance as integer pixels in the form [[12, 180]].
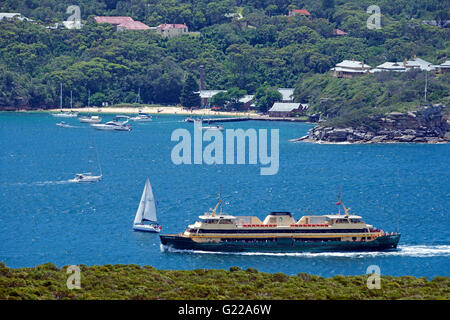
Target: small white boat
[[112, 126], [86, 177], [142, 117], [64, 125], [91, 119], [213, 128], [146, 212]]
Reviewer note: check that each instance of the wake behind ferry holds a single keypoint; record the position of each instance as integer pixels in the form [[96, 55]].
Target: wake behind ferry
[[280, 232]]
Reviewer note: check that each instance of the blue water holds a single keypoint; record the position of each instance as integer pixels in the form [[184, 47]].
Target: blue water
[[46, 218]]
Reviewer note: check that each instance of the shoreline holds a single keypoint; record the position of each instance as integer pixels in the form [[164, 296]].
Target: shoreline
[[150, 110]]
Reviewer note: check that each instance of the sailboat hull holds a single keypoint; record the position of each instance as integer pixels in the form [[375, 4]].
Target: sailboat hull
[[147, 228]]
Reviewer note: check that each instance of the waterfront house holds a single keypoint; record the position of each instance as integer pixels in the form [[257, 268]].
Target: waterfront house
[[247, 102], [287, 109], [350, 69], [171, 29], [122, 23]]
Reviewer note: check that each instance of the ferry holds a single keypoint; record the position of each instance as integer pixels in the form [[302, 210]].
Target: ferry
[[280, 232]]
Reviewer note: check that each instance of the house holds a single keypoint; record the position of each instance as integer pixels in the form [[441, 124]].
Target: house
[[338, 32], [171, 29], [7, 16], [122, 23], [419, 64], [444, 67], [206, 95], [287, 109], [390, 66], [247, 102], [350, 69], [299, 12], [287, 94]]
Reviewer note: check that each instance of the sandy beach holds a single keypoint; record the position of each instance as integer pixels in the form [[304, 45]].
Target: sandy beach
[[157, 110]]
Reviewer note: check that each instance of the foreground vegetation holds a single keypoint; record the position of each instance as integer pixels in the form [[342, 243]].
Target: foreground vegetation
[[136, 282]]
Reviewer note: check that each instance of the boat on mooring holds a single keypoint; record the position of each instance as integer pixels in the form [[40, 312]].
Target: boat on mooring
[[280, 232], [146, 212]]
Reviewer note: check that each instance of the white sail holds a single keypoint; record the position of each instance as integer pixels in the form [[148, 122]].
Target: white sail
[[147, 209]]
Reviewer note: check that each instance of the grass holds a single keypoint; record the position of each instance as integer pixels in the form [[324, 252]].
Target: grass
[[135, 282]]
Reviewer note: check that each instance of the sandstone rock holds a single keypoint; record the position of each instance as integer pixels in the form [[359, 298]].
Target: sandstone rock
[[405, 138], [378, 139]]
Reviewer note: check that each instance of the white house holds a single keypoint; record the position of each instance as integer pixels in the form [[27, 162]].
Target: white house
[[349, 69]]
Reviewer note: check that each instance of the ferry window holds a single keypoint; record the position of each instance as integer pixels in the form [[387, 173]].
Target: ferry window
[[226, 221]]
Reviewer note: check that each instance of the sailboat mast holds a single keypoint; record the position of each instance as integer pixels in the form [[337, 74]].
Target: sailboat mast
[[60, 96], [70, 100]]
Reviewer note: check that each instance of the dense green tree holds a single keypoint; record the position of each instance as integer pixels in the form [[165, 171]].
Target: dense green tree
[[189, 93]]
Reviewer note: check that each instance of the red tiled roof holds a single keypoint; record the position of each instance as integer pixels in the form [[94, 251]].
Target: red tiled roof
[[302, 11], [166, 26], [126, 22], [113, 20]]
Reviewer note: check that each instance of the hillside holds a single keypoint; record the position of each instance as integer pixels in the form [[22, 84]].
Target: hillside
[[135, 282], [263, 48]]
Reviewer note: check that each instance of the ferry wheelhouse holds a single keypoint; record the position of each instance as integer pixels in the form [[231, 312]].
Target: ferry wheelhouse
[[280, 232]]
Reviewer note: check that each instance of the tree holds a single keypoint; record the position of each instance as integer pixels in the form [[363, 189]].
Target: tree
[[265, 98], [189, 93]]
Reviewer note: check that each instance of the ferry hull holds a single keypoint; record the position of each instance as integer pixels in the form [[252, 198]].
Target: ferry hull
[[281, 245]]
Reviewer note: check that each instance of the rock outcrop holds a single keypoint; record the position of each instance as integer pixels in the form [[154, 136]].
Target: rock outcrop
[[427, 125]]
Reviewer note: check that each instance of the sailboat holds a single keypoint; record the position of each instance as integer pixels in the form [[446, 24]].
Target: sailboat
[[146, 212], [61, 113]]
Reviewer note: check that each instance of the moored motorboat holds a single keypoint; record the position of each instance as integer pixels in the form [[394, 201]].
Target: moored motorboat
[[142, 117], [91, 119], [112, 126], [280, 232]]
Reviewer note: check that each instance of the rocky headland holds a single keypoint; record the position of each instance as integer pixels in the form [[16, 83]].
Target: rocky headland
[[427, 125]]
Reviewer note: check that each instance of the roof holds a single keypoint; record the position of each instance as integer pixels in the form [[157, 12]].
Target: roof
[[166, 26], [246, 98], [419, 63], [209, 93], [334, 216], [348, 70], [352, 64], [302, 11], [338, 32], [122, 21], [11, 15], [287, 93], [390, 66], [285, 106], [113, 20], [446, 64]]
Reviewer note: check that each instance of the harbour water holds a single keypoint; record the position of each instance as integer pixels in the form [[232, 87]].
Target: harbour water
[[46, 218]]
